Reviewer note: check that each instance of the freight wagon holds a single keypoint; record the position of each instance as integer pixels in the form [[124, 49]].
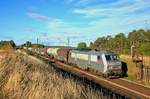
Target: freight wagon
[[63, 54], [52, 52]]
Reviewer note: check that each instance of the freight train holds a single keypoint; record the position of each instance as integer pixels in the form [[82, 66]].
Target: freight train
[[106, 63]]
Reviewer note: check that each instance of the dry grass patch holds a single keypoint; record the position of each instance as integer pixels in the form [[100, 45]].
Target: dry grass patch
[[23, 78], [132, 68]]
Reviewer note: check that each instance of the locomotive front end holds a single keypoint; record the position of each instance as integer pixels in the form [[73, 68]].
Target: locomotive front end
[[114, 65]]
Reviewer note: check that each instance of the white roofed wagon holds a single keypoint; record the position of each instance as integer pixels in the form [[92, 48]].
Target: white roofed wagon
[[52, 51]]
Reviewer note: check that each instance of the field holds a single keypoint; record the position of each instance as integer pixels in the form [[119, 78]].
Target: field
[[23, 77], [132, 68]]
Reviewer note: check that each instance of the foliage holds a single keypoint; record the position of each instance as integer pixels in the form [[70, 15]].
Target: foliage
[[82, 46], [145, 48], [121, 43], [29, 44], [29, 52], [10, 44], [37, 46]]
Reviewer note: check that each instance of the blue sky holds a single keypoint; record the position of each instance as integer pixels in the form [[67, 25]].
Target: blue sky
[[53, 21]]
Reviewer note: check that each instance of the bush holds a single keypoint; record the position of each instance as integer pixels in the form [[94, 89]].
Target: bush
[[29, 52], [82, 46], [126, 51], [145, 48]]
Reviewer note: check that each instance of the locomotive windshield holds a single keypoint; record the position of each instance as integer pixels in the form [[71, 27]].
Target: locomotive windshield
[[108, 58], [115, 57], [111, 57]]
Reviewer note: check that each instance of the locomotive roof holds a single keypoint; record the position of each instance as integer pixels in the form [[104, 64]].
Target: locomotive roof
[[92, 52]]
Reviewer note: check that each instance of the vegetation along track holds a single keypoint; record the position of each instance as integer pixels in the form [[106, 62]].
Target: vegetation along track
[[25, 77], [119, 86]]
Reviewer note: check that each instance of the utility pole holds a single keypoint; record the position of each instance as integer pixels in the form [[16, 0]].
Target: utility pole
[[133, 50], [37, 40], [145, 25], [68, 39]]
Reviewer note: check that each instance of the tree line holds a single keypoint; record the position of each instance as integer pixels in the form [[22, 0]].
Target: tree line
[[9, 44], [30, 44], [121, 43]]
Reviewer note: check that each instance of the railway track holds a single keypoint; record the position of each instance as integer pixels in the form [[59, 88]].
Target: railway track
[[116, 85], [123, 87]]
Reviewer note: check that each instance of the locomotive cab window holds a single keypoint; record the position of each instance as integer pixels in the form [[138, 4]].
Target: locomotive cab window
[[108, 57], [115, 57], [98, 58]]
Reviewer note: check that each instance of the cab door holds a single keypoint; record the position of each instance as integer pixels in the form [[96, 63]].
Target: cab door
[[89, 59], [104, 63]]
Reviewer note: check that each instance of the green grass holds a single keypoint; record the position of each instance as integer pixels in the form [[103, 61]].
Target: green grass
[[131, 77], [132, 69]]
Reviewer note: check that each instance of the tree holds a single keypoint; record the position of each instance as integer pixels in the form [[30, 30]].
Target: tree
[[12, 43], [81, 46], [120, 41], [109, 42], [136, 37], [7, 44], [28, 44], [91, 45], [145, 48], [147, 35], [100, 43]]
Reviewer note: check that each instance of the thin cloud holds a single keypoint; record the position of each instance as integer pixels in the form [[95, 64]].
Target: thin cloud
[[79, 3], [113, 9], [115, 16], [30, 29], [52, 22], [55, 23], [69, 1], [98, 19], [37, 16]]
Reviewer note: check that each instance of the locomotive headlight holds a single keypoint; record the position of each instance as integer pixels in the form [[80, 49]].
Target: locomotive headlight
[[119, 66]]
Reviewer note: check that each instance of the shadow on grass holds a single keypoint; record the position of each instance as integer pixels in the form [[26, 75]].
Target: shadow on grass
[[124, 69]]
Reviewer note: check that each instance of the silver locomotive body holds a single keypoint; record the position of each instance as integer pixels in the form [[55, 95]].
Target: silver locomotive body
[[104, 62]]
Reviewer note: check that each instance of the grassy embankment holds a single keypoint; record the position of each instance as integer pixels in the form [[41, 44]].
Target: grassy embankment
[[22, 77], [132, 68]]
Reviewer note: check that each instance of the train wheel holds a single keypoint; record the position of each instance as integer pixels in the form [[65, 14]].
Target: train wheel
[[106, 75], [87, 69], [122, 74]]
